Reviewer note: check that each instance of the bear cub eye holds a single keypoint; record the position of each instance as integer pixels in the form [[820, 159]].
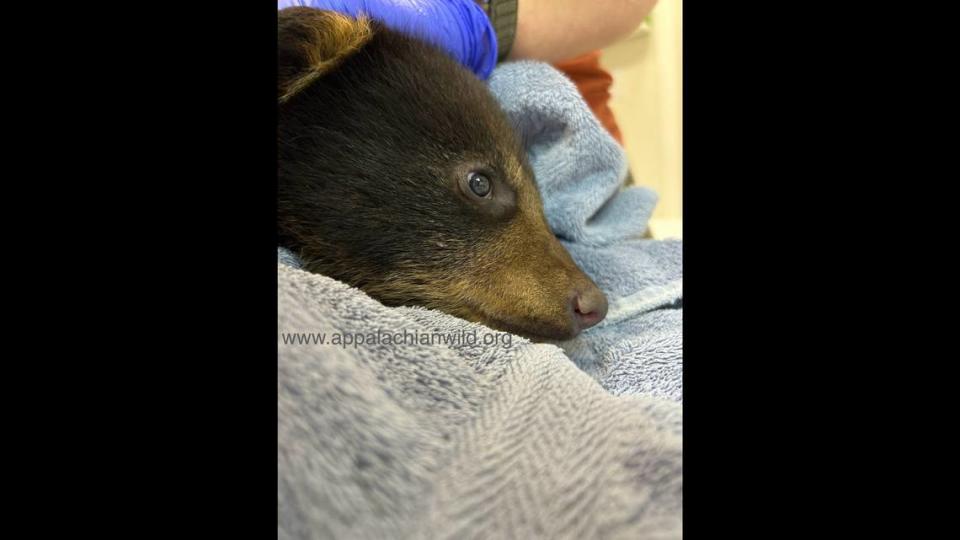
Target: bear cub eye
[[479, 184]]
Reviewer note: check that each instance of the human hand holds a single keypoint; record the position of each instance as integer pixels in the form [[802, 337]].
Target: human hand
[[459, 27]]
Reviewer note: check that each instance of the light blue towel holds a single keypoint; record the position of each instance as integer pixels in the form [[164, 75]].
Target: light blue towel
[[580, 168], [580, 171]]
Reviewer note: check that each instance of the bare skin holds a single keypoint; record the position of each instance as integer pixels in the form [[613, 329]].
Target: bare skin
[[555, 30]]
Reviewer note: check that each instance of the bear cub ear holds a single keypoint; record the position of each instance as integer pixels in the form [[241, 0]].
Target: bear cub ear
[[311, 42]]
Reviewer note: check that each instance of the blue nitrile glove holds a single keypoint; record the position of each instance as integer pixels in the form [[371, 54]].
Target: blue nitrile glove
[[458, 26]]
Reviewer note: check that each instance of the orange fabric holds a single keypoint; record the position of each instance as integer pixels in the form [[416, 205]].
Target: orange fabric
[[593, 82]]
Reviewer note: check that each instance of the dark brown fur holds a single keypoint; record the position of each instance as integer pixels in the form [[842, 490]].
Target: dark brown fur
[[376, 132]]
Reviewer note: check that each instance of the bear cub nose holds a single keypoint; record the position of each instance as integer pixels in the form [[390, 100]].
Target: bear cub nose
[[589, 307]]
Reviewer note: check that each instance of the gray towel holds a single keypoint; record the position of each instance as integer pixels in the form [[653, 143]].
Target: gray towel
[[457, 439], [470, 432]]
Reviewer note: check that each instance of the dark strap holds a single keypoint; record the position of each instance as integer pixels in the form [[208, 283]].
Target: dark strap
[[503, 16]]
